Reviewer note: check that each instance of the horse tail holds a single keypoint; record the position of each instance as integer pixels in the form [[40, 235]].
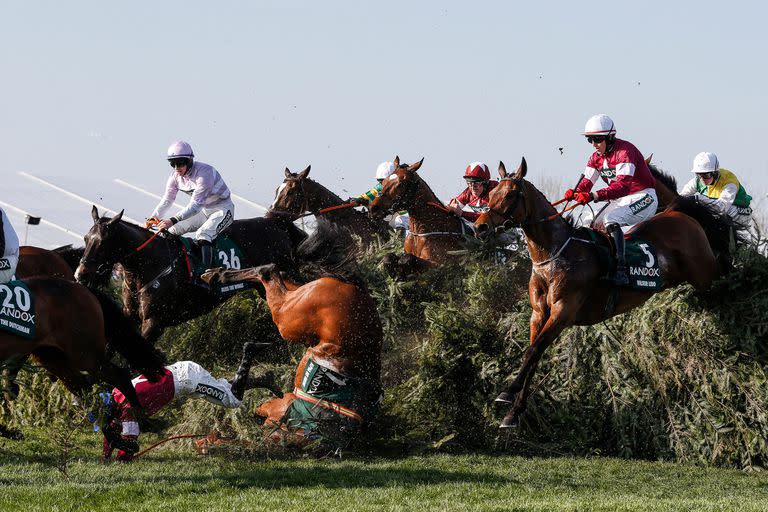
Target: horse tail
[[72, 255], [720, 229], [330, 249], [123, 337]]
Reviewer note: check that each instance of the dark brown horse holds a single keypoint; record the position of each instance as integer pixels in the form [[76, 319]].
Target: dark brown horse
[[298, 195], [72, 329], [337, 385], [158, 289], [433, 232], [566, 288]]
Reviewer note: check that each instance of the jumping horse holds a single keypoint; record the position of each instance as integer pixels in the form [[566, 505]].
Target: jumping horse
[[433, 231], [158, 289], [337, 385], [566, 286], [72, 327], [298, 195]]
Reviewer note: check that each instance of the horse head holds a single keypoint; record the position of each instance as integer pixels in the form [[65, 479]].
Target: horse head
[[103, 248], [290, 196], [400, 191], [506, 203]]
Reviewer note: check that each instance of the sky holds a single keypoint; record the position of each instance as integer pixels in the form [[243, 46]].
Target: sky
[[94, 91]]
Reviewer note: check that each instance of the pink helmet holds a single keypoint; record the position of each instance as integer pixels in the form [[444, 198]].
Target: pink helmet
[[477, 171], [180, 149]]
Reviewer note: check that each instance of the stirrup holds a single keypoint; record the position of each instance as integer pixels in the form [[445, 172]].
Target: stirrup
[[621, 276]]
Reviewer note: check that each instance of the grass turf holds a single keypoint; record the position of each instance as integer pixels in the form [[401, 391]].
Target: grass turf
[[178, 480]]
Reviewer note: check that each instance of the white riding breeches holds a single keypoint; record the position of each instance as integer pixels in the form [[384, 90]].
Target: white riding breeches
[[8, 265], [628, 210], [193, 381], [208, 222]]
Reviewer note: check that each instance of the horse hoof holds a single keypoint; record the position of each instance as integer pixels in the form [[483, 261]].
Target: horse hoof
[[505, 397], [509, 421]]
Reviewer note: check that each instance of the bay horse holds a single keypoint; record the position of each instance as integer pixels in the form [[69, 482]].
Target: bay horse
[[157, 288], [36, 261], [433, 231], [565, 287], [72, 328], [337, 385], [298, 194]]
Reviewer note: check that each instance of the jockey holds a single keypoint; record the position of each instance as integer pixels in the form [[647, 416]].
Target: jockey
[[474, 199], [631, 186], [399, 221], [9, 249], [720, 188], [210, 209], [182, 380]]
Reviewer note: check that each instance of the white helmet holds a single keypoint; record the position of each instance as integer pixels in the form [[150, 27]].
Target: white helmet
[[384, 170], [180, 149], [705, 162], [599, 124]]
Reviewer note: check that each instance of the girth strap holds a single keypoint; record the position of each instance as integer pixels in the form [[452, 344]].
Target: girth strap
[[333, 406]]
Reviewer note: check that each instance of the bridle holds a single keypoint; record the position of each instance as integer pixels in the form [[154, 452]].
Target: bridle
[[302, 194]]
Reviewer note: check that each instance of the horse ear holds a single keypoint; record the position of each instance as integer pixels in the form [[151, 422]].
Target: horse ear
[[95, 214], [303, 174], [116, 218], [396, 162], [415, 167], [288, 173], [520, 174], [502, 170], [648, 160]]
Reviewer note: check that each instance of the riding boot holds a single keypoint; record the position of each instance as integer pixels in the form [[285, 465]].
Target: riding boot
[[240, 381], [621, 277], [206, 253]]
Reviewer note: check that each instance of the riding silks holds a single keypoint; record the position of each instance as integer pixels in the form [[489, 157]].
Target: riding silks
[[17, 309], [328, 400]]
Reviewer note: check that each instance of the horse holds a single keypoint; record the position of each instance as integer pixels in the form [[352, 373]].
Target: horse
[[337, 385], [72, 327], [36, 261], [158, 289], [433, 231], [565, 287], [299, 194]]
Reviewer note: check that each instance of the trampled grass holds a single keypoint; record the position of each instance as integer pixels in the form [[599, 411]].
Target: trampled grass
[[179, 480]]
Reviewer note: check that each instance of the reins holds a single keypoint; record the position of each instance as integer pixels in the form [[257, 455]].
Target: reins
[[329, 209], [183, 436]]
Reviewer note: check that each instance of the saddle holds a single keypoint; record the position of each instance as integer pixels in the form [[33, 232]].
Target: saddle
[[642, 261], [17, 309], [226, 254]]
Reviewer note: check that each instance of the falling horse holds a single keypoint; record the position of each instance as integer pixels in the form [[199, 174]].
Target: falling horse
[[298, 195], [566, 286], [36, 261], [433, 231], [159, 288], [69, 332], [337, 385]]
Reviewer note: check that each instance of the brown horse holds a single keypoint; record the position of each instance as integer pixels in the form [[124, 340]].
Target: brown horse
[[72, 329], [158, 289], [433, 231], [298, 195], [337, 385], [565, 287]]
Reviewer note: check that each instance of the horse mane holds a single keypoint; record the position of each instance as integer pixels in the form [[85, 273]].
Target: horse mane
[[325, 189], [426, 185], [667, 179], [122, 336], [72, 255], [328, 252]]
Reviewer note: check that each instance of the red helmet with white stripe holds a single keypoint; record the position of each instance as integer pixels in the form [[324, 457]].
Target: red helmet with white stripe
[[477, 171]]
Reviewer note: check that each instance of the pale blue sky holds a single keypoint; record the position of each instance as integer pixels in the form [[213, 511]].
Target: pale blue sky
[[100, 89]]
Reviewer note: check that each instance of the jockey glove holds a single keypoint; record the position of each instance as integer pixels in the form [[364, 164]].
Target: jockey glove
[[151, 222], [583, 197], [568, 194]]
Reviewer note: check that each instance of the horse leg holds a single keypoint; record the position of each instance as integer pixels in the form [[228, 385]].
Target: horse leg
[[121, 379], [10, 373]]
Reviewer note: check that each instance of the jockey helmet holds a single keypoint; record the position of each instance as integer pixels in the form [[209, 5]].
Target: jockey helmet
[[384, 170], [600, 124], [477, 171], [705, 163], [180, 149]]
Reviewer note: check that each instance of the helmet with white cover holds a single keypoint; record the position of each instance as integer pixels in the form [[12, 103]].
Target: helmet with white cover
[[600, 124], [477, 171], [705, 162], [180, 149], [384, 170]]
